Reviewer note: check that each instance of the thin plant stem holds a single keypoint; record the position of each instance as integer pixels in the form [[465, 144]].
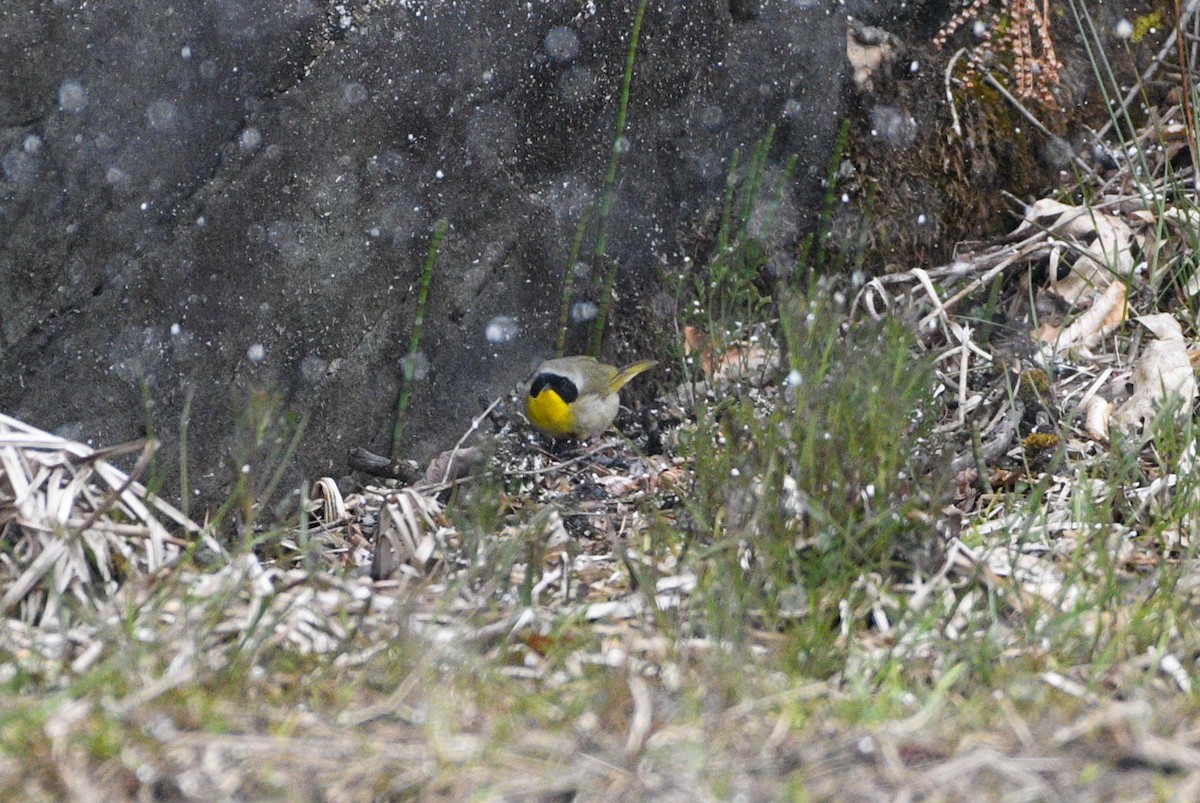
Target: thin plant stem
[[282, 461], [757, 164], [564, 311], [184, 423], [827, 207], [610, 183], [727, 208], [409, 365]]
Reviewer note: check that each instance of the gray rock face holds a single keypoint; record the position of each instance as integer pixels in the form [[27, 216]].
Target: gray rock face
[[224, 195]]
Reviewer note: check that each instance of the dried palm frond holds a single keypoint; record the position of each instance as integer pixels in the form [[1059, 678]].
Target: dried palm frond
[[74, 527], [405, 534]]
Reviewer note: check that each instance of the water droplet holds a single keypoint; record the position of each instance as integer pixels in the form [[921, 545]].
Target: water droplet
[[710, 117], [561, 44], [414, 366], [18, 166], [250, 139], [501, 329], [163, 115], [117, 177], [576, 84], [492, 135], [285, 237], [72, 97], [583, 311], [709, 165], [354, 93], [897, 128], [313, 368]]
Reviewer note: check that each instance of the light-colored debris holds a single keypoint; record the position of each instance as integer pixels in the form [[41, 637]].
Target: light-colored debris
[[77, 528], [1096, 417], [453, 465], [405, 533], [1097, 246], [327, 502], [1106, 313], [1162, 374], [869, 50]]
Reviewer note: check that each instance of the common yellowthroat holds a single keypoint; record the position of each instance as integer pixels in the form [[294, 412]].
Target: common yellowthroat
[[577, 397]]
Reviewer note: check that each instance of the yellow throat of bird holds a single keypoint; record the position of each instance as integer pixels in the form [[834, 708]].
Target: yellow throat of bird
[[550, 413]]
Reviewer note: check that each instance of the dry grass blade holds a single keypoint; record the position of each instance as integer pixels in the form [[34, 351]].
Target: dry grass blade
[[405, 533], [75, 525], [327, 501]]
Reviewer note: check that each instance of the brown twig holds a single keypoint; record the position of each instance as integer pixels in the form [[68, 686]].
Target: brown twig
[[143, 461]]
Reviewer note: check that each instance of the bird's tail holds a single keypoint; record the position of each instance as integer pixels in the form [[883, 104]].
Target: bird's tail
[[627, 373]]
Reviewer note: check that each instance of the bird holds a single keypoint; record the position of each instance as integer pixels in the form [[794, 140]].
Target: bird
[[577, 397]]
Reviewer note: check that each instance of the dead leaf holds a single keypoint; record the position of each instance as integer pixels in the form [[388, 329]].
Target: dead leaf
[[1099, 253], [453, 465], [695, 340], [673, 478], [1163, 371], [738, 360], [1105, 314], [619, 485], [1096, 416]]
